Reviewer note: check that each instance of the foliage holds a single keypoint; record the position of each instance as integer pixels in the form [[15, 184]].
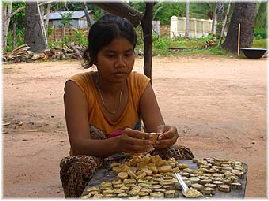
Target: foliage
[[163, 11], [219, 28], [19, 41], [65, 6], [66, 19], [217, 51], [78, 38], [50, 30], [139, 33], [97, 12], [160, 43], [195, 43], [260, 33], [201, 10], [161, 46], [138, 6], [19, 17], [260, 19], [261, 43]]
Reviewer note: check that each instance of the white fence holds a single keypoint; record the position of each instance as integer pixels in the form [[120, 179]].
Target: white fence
[[198, 27], [156, 27]]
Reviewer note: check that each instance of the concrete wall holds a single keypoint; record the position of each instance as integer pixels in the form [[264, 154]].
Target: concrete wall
[[198, 27], [156, 28]]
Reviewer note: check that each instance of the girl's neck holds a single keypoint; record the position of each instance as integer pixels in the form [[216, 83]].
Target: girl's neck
[[108, 87]]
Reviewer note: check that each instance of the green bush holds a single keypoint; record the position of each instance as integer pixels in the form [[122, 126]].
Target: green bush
[[219, 27], [80, 39], [261, 43], [161, 43], [19, 39], [260, 33], [77, 39]]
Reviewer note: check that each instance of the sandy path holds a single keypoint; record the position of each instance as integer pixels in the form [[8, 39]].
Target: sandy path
[[218, 104]]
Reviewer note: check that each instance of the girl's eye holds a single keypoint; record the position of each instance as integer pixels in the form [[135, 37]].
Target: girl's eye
[[110, 55], [128, 55]]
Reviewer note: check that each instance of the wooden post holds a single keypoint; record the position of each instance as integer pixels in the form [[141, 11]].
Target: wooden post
[[63, 35], [14, 37], [147, 31], [238, 41], [54, 33], [47, 19]]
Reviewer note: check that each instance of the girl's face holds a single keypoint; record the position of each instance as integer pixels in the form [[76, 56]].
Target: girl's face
[[116, 60]]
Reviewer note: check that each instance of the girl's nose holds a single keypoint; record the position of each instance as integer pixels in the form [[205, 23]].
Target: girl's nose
[[120, 62]]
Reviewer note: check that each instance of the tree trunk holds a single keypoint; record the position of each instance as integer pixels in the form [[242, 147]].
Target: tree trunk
[[14, 41], [41, 10], [33, 30], [220, 11], [47, 19], [7, 10], [187, 31], [243, 13], [43, 28], [63, 35], [214, 24], [147, 32], [224, 23], [85, 8]]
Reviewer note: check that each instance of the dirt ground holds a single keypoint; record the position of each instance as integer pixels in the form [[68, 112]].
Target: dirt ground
[[218, 105]]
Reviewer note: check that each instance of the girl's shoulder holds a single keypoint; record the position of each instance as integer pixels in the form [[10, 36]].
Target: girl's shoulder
[[84, 81], [138, 82], [138, 78], [82, 77]]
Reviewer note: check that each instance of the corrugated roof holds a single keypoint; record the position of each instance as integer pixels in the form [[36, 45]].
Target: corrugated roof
[[57, 15]]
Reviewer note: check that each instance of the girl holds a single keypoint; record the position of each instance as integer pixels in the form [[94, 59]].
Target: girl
[[104, 108]]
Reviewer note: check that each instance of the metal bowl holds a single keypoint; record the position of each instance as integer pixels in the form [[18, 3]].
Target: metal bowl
[[253, 53]]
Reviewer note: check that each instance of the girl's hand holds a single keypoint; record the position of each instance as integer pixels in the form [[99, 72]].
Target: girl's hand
[[167, 138], [133, 141]]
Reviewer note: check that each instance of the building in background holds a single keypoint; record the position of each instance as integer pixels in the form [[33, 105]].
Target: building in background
[[78, 18]]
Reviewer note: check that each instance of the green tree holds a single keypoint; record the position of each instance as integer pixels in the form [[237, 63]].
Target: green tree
[[19, 17], [202, 10], [34, 36], [165, 10], [243, 14], [139, 6], [66, 19], [260, 19]]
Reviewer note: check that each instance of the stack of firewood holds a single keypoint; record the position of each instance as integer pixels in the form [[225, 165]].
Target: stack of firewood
[[210, 43], [23, 54]]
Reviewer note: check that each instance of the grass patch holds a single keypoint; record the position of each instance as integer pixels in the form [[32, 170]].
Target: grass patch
[[193, 43], [161, 46], [261, 43]]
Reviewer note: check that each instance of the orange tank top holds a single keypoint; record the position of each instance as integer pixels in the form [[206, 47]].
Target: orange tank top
[[130, 117]]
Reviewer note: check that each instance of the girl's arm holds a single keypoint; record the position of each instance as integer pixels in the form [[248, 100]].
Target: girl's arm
[[153, 119], [150, 110], [76, 115]]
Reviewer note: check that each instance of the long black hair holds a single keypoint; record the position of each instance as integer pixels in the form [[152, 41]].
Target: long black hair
[[102, 32]]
